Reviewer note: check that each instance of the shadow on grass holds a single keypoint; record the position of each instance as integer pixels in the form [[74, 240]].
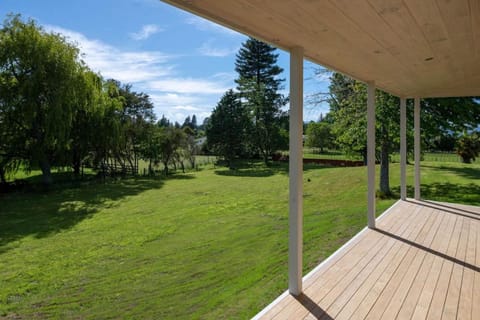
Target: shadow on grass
[[41, 214], [448, 192], [260, 170], [469, 173]]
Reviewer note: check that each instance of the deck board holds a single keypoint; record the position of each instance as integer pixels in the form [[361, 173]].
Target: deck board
[[422, 262]]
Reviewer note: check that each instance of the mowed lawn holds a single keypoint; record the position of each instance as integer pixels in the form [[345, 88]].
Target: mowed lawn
[[204, 245]]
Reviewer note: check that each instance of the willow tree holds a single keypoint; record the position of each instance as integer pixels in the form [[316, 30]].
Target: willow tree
[[38, 74]]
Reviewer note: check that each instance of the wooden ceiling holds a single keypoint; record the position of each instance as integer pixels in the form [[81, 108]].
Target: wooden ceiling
[[410, 48]]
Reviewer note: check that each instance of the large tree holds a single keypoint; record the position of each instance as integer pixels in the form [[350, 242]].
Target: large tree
[[259, 85], [439, 116], [227, 127], [38, 75]]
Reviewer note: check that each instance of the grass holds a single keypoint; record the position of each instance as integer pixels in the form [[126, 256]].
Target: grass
[[210, 244], [314, 153]]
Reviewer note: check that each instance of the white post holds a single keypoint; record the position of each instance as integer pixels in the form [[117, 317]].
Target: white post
[[403, 148], [295, 244], [416, 120], [371, 153]]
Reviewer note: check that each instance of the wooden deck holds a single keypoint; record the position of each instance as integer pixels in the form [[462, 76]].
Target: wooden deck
[[422, 262]]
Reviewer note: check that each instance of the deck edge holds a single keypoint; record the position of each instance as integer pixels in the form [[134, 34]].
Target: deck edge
[[308, 275]]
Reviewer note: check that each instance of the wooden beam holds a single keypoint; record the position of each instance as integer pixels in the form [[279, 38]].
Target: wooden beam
[[371, 153], [295, 245]]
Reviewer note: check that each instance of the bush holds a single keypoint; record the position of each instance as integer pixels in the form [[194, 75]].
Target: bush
[[468, 147]]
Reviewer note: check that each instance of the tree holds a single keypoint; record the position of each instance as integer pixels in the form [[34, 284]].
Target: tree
[[108, 127], [348, 115], [187, 122], [227, 127], [136, 115], [319, 135], [163, 122], [190, 147], [38, 74], [194, 122], [439, 116], [88, 103], [258, 84], [468, 147], [151, 146], [170, 140], [349, 107]]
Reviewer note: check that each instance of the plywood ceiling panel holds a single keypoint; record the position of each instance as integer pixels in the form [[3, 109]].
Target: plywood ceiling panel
[[427, 48]]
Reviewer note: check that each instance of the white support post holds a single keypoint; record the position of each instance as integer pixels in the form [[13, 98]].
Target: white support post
[[403, 148], [416, 120], [371, 153], [295, 245]]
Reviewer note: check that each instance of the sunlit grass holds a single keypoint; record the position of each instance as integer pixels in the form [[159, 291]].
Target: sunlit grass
[[210, 244]]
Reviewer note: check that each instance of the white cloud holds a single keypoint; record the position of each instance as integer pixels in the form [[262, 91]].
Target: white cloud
[[206, 25], [207, 49], [173, 99], [125, 66], [146, 31], [152, 72], [225, 76], [187, 108], [188, 85]]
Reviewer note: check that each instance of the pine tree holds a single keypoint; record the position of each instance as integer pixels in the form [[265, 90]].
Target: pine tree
[[227, 127], [194, 122], [258, 84]]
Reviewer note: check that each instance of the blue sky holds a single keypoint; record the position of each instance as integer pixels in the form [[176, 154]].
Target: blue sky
[[183, 62]]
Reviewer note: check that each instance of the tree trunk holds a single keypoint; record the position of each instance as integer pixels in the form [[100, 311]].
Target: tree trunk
[[365, 156], [76, 164], [192, 162], [165, 168], [265, 158], [384, 170], [46, 172], [3, 179]]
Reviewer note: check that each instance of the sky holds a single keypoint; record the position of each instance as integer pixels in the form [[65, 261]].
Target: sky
[[183, 62]]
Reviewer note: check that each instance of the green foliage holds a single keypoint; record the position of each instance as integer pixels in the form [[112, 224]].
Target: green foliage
[[39, 72], [227, 127], [439, 118], [468, 147], [348, 110], [319, 135], [348, 113], [54, 111], [171, 140], [258, 84], [444, 116]]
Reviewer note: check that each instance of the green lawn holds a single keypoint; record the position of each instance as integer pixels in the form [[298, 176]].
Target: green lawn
[[208, 245]]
